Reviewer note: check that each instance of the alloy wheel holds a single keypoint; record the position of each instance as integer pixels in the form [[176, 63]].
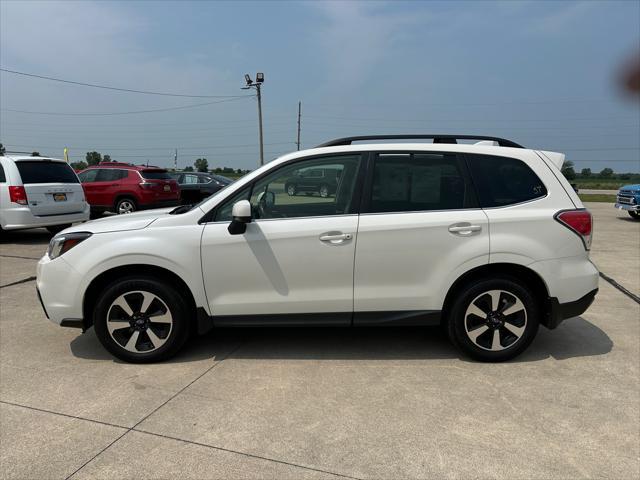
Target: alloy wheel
[[139, 321], [126, 206], [495, 320], [324, 191], [291, 190]]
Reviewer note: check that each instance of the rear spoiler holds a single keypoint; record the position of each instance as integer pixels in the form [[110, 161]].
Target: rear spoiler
[[554, 157]]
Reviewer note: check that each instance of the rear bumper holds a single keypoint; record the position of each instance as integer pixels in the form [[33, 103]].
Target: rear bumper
[[561, 311], [20, 218], [629, 208]]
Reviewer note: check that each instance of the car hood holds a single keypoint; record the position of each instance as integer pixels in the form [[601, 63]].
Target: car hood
[[631, 187], [120, 223]]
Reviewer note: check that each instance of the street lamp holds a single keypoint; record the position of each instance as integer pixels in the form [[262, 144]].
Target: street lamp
[[258, 83]]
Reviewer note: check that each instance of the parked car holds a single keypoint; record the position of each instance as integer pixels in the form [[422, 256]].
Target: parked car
[[39, 192], [488, 241], [628, 199], [322, 181], [196, 186], [125, 188]]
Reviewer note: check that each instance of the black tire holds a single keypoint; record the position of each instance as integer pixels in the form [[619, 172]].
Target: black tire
[[291, 189], [460, 321], [634, 215], [131, 288], [57, 228], [125, 205], [324, 190]]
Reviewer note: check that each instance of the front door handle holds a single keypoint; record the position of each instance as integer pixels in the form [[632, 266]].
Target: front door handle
[[465, 229], [335, 237]]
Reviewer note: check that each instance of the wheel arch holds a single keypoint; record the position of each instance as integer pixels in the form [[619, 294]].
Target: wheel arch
[[105, 278], [121, 196], [519, 272]]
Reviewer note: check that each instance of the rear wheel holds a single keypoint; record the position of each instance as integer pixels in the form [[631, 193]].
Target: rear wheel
[[141, 320], [57, 228], [494, 320], [635, 215], [126, 205]]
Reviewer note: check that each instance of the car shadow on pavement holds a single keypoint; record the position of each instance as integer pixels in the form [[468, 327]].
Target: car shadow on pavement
[[628, 219], [575, 337], [34, 236]]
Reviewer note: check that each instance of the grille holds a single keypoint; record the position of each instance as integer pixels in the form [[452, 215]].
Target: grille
[[626, 200]]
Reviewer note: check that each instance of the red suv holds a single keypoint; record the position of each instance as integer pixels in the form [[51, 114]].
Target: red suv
[[125, 188]]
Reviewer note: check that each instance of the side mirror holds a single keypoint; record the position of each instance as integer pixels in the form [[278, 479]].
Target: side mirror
[[241, 213]]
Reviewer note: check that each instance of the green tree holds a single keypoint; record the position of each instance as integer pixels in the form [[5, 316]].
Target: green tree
[[107, 158], [201, 165], [585, 173], [568, 170], [79, 165], [93, 158], [2, 149], [35, 154], [188, 169], [606, 172]]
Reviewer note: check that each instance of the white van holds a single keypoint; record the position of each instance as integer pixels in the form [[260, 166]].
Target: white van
[[40, 192]]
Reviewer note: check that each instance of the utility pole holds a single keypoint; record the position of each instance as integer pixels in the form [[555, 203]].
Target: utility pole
[[175, 161], [260, 123], [299, 113], [258, 83]]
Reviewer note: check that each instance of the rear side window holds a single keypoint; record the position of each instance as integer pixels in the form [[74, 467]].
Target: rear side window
[[45, 172], [504, 181], [3, 178], [155, 175], [409, 182], [110, 175]]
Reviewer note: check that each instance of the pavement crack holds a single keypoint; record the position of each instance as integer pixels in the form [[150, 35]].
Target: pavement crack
[[245, 454], [20, 256], [24, 280]]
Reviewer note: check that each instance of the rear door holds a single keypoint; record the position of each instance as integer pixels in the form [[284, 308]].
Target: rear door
[[52, 187], [420, 226]]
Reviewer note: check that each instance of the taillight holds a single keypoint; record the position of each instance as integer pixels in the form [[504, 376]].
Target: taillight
[[146, 185], [579, 222], [18, 195]]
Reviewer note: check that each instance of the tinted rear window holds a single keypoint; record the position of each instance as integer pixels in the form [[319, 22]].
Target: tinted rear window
[[504, 181], [46, 172], [406, 182], [155, 175]]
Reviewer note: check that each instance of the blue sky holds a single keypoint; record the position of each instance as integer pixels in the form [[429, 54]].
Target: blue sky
[[540, 73]]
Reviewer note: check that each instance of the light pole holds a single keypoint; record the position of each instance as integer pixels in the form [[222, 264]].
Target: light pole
[[258, 83]]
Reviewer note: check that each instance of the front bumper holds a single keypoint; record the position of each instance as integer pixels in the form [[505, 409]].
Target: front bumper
[[627, 207], [558, 312], [57, 285]]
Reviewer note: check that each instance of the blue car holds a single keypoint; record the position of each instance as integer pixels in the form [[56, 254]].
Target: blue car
[[629, 199]]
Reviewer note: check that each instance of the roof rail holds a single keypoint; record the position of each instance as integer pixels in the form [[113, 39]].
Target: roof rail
[[436, 139]]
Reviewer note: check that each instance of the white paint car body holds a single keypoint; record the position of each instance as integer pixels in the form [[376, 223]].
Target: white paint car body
[[395, 267], [39, 209]]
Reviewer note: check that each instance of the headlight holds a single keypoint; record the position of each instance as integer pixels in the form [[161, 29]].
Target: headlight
[[65, 242]]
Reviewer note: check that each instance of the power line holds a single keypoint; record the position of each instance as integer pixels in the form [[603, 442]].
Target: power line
[[103, 147], [106, 87], [128, 113]]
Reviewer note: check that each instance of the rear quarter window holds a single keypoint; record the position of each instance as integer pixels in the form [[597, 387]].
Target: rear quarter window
[[502, 181], [155, 175], [43, 171]]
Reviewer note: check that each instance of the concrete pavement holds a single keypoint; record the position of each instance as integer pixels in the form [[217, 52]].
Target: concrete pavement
[[325, 403]]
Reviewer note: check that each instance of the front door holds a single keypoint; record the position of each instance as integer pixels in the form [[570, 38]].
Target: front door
[[294, 263]]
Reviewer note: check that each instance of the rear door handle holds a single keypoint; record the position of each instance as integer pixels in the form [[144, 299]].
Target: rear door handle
[[335, 238], [464, 229]]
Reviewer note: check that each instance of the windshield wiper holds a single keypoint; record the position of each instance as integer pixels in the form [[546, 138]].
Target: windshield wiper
[[181, 209]]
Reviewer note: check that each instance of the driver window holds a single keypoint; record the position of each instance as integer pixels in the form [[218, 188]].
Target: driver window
[[315, 187]]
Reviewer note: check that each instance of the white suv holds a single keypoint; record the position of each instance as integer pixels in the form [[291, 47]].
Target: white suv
[[487, 239], [39, 192]]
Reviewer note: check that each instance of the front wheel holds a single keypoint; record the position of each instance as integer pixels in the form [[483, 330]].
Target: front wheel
[[493, 320], [635, 215], [324, 191], [141, 320], [291, 190]]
